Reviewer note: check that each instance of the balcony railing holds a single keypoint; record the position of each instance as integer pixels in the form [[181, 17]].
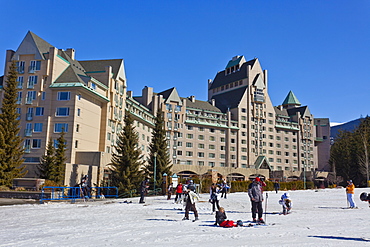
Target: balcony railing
[[29, 116], [28, 132]]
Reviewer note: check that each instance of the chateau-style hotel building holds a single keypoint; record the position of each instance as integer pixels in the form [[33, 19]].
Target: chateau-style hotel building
[[236, 133]]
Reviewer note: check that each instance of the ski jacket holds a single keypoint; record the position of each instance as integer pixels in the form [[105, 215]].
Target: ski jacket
[[350, 189], [255, 192], [193, 197], [214, 193], [220, 217], [179, 188]]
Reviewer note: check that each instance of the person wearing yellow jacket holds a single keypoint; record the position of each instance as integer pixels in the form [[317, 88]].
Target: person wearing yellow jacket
[[350, 190]]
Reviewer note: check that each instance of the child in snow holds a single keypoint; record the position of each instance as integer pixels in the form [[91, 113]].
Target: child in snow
[[190, 199], [286, 202], [221, 219]]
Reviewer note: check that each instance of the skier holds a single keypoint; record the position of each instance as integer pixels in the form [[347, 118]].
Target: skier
[[350, 190], [85, 187], [190, 186], [169, 191], [143, 189], [178, 193], [365, 197], [224, 189], [256, 196], [276, 186], [190, 199], [286, 202], [214, 197]]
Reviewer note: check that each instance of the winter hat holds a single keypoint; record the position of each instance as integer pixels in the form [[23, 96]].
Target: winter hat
[[349, 181], [257, 179]]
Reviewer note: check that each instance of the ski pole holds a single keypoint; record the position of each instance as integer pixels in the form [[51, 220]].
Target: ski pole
[[267, 196]]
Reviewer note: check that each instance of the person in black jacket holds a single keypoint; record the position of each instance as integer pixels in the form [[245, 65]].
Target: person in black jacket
[[143, 189], [220, 216]]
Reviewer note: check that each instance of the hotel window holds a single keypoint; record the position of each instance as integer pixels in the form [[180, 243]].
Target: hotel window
[[36, 143], [179, 152], [201, 137], [200, 163], [200, 145], [200, 154], [190, 127], [32, 80], [62, 112], [76, 144], [211, 146], [222, 156], [222, 139], [39, 111], [43, 95], [64, 96], [212, 138], [211, 164], [244, 150], [35, 65], [58, 127], [37, 127], [77, 128], [189, 136], [189, 153], [189, 145], [20, 67], [211, 155], [222, 148], [20, 82], [189, 162]]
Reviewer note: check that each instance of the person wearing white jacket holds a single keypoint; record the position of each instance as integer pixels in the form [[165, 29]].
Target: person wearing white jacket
[[191, 198]]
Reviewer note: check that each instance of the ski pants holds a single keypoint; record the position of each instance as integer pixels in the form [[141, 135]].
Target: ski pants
[[257, 208], [350, 200], [214, 204], [224, 192], [190, 207]]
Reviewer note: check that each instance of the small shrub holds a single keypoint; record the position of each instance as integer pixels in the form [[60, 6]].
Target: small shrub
[[4, 188]]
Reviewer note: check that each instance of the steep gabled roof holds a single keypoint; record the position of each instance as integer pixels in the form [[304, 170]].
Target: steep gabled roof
[[230, 99], [171, 95], [201, 105], [222, 79], [291, 99], [32, 44], [98, 66], [304, 111], [281, 112]]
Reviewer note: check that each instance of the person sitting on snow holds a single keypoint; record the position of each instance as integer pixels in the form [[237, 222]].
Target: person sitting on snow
[[221, 219], [286, 202]]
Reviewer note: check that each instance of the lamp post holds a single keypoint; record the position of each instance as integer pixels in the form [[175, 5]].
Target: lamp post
[[155, 171]]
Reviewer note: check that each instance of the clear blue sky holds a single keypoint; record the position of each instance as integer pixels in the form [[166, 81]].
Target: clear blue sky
[[318, 49]]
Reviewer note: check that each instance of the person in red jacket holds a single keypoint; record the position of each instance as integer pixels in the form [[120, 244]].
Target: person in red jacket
[[178, 197]]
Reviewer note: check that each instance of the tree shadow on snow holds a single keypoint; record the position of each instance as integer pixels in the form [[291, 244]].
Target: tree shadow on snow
[[341, 238]]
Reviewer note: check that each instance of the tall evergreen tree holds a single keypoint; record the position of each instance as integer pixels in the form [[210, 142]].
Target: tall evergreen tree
[[58, 172], [10, 144], [126, 162], [158, 147], [349, 155], [47, 162]]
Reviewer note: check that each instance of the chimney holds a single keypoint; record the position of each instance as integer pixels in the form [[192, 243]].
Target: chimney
[[71, 53], [192, 98], [129, 94], [213, 102]]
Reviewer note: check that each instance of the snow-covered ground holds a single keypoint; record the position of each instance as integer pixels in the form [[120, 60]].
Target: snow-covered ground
[[319, 218]]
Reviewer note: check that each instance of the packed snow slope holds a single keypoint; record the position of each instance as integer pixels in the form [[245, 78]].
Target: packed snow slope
[[318, 218]]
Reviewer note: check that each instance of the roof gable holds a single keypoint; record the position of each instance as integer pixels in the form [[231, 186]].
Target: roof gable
[[171, 95], [258, 82], [32, 44], [262, 163]]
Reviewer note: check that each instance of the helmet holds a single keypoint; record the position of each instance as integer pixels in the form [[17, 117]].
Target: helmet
[[363, 196], [191, 181], [286, 195]]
